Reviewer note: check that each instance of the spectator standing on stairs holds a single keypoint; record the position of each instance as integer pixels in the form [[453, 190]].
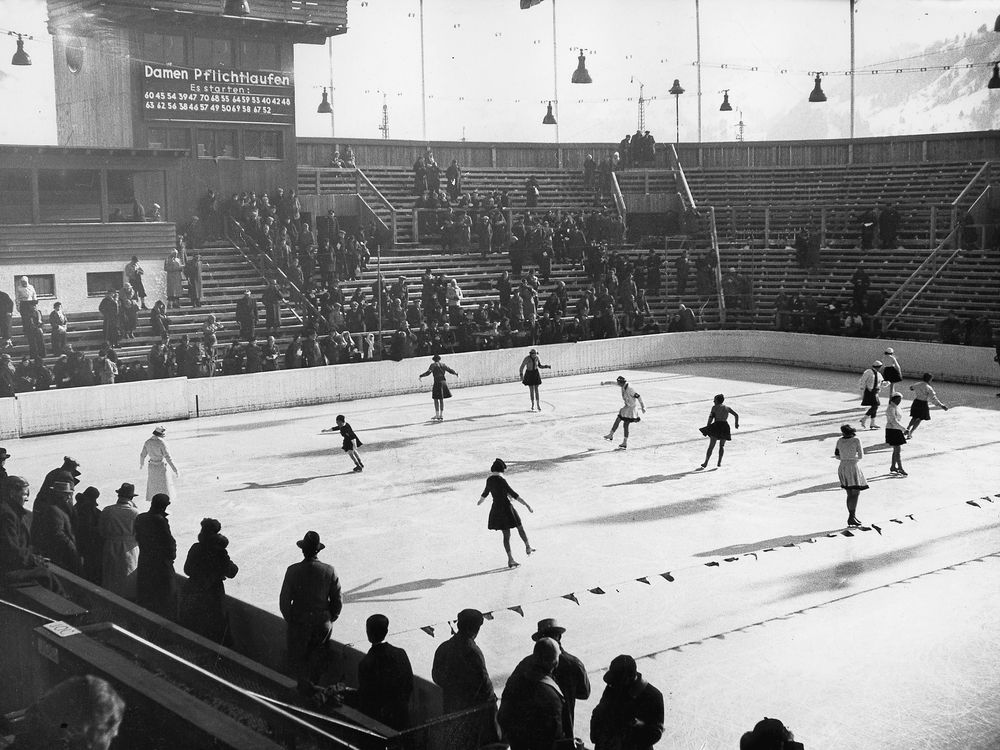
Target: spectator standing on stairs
[[247, 315], [173, 268], [869, 220], [888, 226], [25, 295], [110, 310], [272, 299], [58, 325], [682, 268], [531, 192], [453, 180], [193, 270], [6, 315], [133, 275], [860, 284], [589, 172]]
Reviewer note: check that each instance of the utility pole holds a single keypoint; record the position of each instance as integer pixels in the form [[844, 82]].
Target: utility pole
[[384, 127], [642, 108], [697, 33], [740, 126]]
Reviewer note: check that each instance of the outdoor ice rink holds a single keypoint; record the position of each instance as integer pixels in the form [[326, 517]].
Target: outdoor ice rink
[[882, 639]]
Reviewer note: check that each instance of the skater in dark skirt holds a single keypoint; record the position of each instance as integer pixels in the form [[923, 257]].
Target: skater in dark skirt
[[850, 452], [894, 435], [351, 441], [891, 373], [440, 391], [531, 376], [503, 517], [920, 409], [629, 413], [871, 383], [717, 429]]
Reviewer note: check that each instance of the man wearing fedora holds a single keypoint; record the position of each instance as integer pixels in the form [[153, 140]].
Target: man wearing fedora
[[630, 713], [531, 710], [310, 602], [121, 552], [52, 530], [155, 582], [570, 674]]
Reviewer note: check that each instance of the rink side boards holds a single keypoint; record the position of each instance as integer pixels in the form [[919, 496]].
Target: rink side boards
[[177, 398]]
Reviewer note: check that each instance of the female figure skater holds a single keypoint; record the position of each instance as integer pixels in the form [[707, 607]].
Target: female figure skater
[[850, 451], [532, 377], [919, 410], [439, 392], [871, 383], [891, 373], [717, 428], [157, 482], [628, 413], [351, 441], [894, 435], [503, 517]]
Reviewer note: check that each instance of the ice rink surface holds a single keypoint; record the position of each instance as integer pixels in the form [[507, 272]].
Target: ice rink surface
[[882, 639]]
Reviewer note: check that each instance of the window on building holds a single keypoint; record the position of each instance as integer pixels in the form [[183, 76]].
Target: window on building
[[164, 48], [69, 195], [15, 196], [45, 284], [169, 138], [216, 144], [262, 144], [256, 54], [212, 53], [100, 282]]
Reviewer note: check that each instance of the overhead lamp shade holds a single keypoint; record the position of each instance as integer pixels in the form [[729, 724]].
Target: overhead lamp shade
[[726, 106], [996, 26], [580, 75], [676, 89], [74, 55], [236, 8], [817, 94], [525, 4], [20, 57], [549, 119], [324, 107], [995, 78]]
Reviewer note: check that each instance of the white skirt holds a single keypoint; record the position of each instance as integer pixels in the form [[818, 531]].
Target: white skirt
[[159, 482]]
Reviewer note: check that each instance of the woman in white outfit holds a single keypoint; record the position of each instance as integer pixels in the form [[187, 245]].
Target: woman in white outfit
[[155, 448], [850, 451]]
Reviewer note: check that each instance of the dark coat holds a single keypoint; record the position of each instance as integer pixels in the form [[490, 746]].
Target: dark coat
[[202, 605], [310, 602], [89, 543], [52, 534], [15, 539], [385, 683], [611, 724], [531, 711], [155, 587], [571, 676], [460, 670]]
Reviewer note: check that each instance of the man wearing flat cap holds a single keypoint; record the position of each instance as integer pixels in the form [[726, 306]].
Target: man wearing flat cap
[[630, 714], [459, 669], [121, 553], [310, 602], [52, 533], [155, 582], [570, 674]]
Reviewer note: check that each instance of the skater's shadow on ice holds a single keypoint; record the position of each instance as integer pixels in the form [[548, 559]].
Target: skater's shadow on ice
[[836, 411], [657, 478], [825, 487], [359, 593], [781, 541], [659, 512], [807, 438], [298, 481]]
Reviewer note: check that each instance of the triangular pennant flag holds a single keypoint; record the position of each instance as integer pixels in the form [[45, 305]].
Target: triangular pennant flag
[[910, 516], [810, 540], [973, 502], [845, 532], [713, 564], [596, 590], [878, 529], [517, 608], [666, 576], [572, 598], [487, 615], [894, 520], [429, 629], [732, 559], [752, 554], [644, 580]]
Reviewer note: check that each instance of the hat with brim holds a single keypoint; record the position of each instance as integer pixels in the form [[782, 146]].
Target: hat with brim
[[126, 490], [877, 363], [310, 542], [548, 628], [888, 350], [622, 671], [62, 488], [160, 431]]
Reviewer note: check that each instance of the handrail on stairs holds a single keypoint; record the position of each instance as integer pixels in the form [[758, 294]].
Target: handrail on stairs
[[680, 170], [985, 168], [919, 269], [616, 191]]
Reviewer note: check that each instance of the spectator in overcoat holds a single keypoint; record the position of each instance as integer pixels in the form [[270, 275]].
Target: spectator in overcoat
[[532, 707], [174, 269], [52, 529], [120, 553], [6, 315], [57, 326], [193, 270], [272, 298], [570, 674], [459, 669], [155, 588], [385, 678], [202, 605], [630, 713], [247, 315], [18, 562], [86, 525]]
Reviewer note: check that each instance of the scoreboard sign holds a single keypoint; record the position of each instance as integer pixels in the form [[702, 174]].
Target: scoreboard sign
[[172, 92]]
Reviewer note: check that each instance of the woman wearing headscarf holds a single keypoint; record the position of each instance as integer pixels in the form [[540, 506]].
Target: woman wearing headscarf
[[202, 605]]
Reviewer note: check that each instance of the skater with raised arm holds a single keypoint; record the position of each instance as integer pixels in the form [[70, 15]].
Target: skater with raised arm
[[439, 391], [351, 441], [503, 516], [891, 373], [717, 429], [920, 409], [629, 412], [531, 376]]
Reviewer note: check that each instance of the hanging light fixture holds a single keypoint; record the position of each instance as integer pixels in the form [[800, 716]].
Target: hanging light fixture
[[676, 89], [995, 78], [20, 57], [236, 8], [580, 75], [726, 106], [996, 26], [549, 119], [817, 94], [324, 107]]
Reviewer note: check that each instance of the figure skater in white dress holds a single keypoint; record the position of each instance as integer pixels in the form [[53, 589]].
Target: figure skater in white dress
[[629, 413], [850, 451], [157, 482]]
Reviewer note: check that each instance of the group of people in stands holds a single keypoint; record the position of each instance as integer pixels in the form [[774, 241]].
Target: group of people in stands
[[637, 150]]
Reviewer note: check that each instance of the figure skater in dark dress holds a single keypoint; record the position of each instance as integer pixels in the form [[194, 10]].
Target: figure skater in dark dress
[[531, 376], [629, 413], [871, 383], [351, 441], [891, 373], [920, 411], [503, 517], [894, 434], [717, 429], [440, 391]]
